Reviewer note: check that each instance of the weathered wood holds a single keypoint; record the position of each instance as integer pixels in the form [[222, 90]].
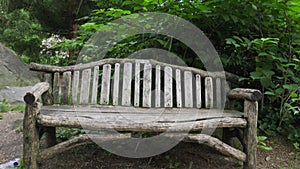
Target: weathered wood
[[109, 117], [198, 91], [249, 94], [56, 88], [85, 86], [78, 141], [36, 92], [50, 136], [157, 86], [47, 96], [49, 132], [168, 83], [126, 92], [75, 87], [116, 84], [178, 88], [250, 133], [147, 85], [209, 101], [188, 89], [219, 93], [137, 80], [218, 145], [30, 136], [95, 85], [47, 68], [105, 86], [66, 87]]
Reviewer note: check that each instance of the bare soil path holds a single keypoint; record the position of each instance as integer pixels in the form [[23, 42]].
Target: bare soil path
[[183, 156]]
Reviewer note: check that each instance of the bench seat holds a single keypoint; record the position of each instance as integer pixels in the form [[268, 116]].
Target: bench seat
[[138, 119]]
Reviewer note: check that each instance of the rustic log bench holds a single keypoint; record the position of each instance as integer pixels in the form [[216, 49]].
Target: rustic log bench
[[190, 98]]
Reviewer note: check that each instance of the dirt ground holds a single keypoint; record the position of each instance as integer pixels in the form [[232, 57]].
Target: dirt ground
[[183, 156]]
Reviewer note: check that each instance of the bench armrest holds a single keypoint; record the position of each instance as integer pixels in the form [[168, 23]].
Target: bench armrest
[[36, 92], [242, 93]]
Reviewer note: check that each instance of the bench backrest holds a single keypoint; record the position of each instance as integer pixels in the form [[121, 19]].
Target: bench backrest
[[139, 83]]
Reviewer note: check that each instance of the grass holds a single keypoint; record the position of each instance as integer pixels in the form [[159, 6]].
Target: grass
[[5, 107]]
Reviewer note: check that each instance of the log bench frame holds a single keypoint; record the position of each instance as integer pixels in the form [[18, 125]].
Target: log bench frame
[[39, 119]]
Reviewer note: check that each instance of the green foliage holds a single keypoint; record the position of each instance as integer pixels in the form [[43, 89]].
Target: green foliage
[[6, 107], [67, 133], [261, 143], [21, 33]]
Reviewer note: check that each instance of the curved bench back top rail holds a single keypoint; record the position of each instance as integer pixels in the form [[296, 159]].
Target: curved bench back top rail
[[52, 69]]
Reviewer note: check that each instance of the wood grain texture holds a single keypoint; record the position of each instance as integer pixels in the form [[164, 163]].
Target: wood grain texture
[[66, 87], [56, 88], [30, 136], [178, 88], [127, 78], [218, 145], [75, 87], [95, 85], [147, 85], [36, 92], [198, 91], [250, 134], [209, 95], [85, 86], [157, 86], [242, 93], [47, 68], [105, 86], [168, 86], [188, 89], [137, 79], [116, 84]]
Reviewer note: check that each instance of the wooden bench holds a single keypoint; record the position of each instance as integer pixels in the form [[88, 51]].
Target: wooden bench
[[190, 99]]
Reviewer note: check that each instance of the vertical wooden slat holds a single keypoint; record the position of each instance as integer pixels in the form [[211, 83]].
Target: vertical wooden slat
[[198, 91], [126, 92], [178, 88], [47, 97], [66, 87], [218, 93], [188, 89], [147, 85], [56, 88], [157, 86], [95, 85], [85, 86], [75, 87], [168, 87], [116, 84], [209, 92], [137, 84], [105, 86]]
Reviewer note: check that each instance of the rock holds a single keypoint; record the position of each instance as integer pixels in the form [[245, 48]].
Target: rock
[[14, 94], [13, 71]]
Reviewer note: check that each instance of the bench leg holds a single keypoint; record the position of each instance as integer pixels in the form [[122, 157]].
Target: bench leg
[[50, 138], [30, 137], [227, 135], [250, 135]]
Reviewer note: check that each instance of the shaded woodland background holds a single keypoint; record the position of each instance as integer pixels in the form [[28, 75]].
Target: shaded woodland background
[[259, 40]]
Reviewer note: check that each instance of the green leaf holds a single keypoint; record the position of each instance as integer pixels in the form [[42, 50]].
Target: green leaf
[[270, 93], [268, 148], [291, 87], [256, 75]]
